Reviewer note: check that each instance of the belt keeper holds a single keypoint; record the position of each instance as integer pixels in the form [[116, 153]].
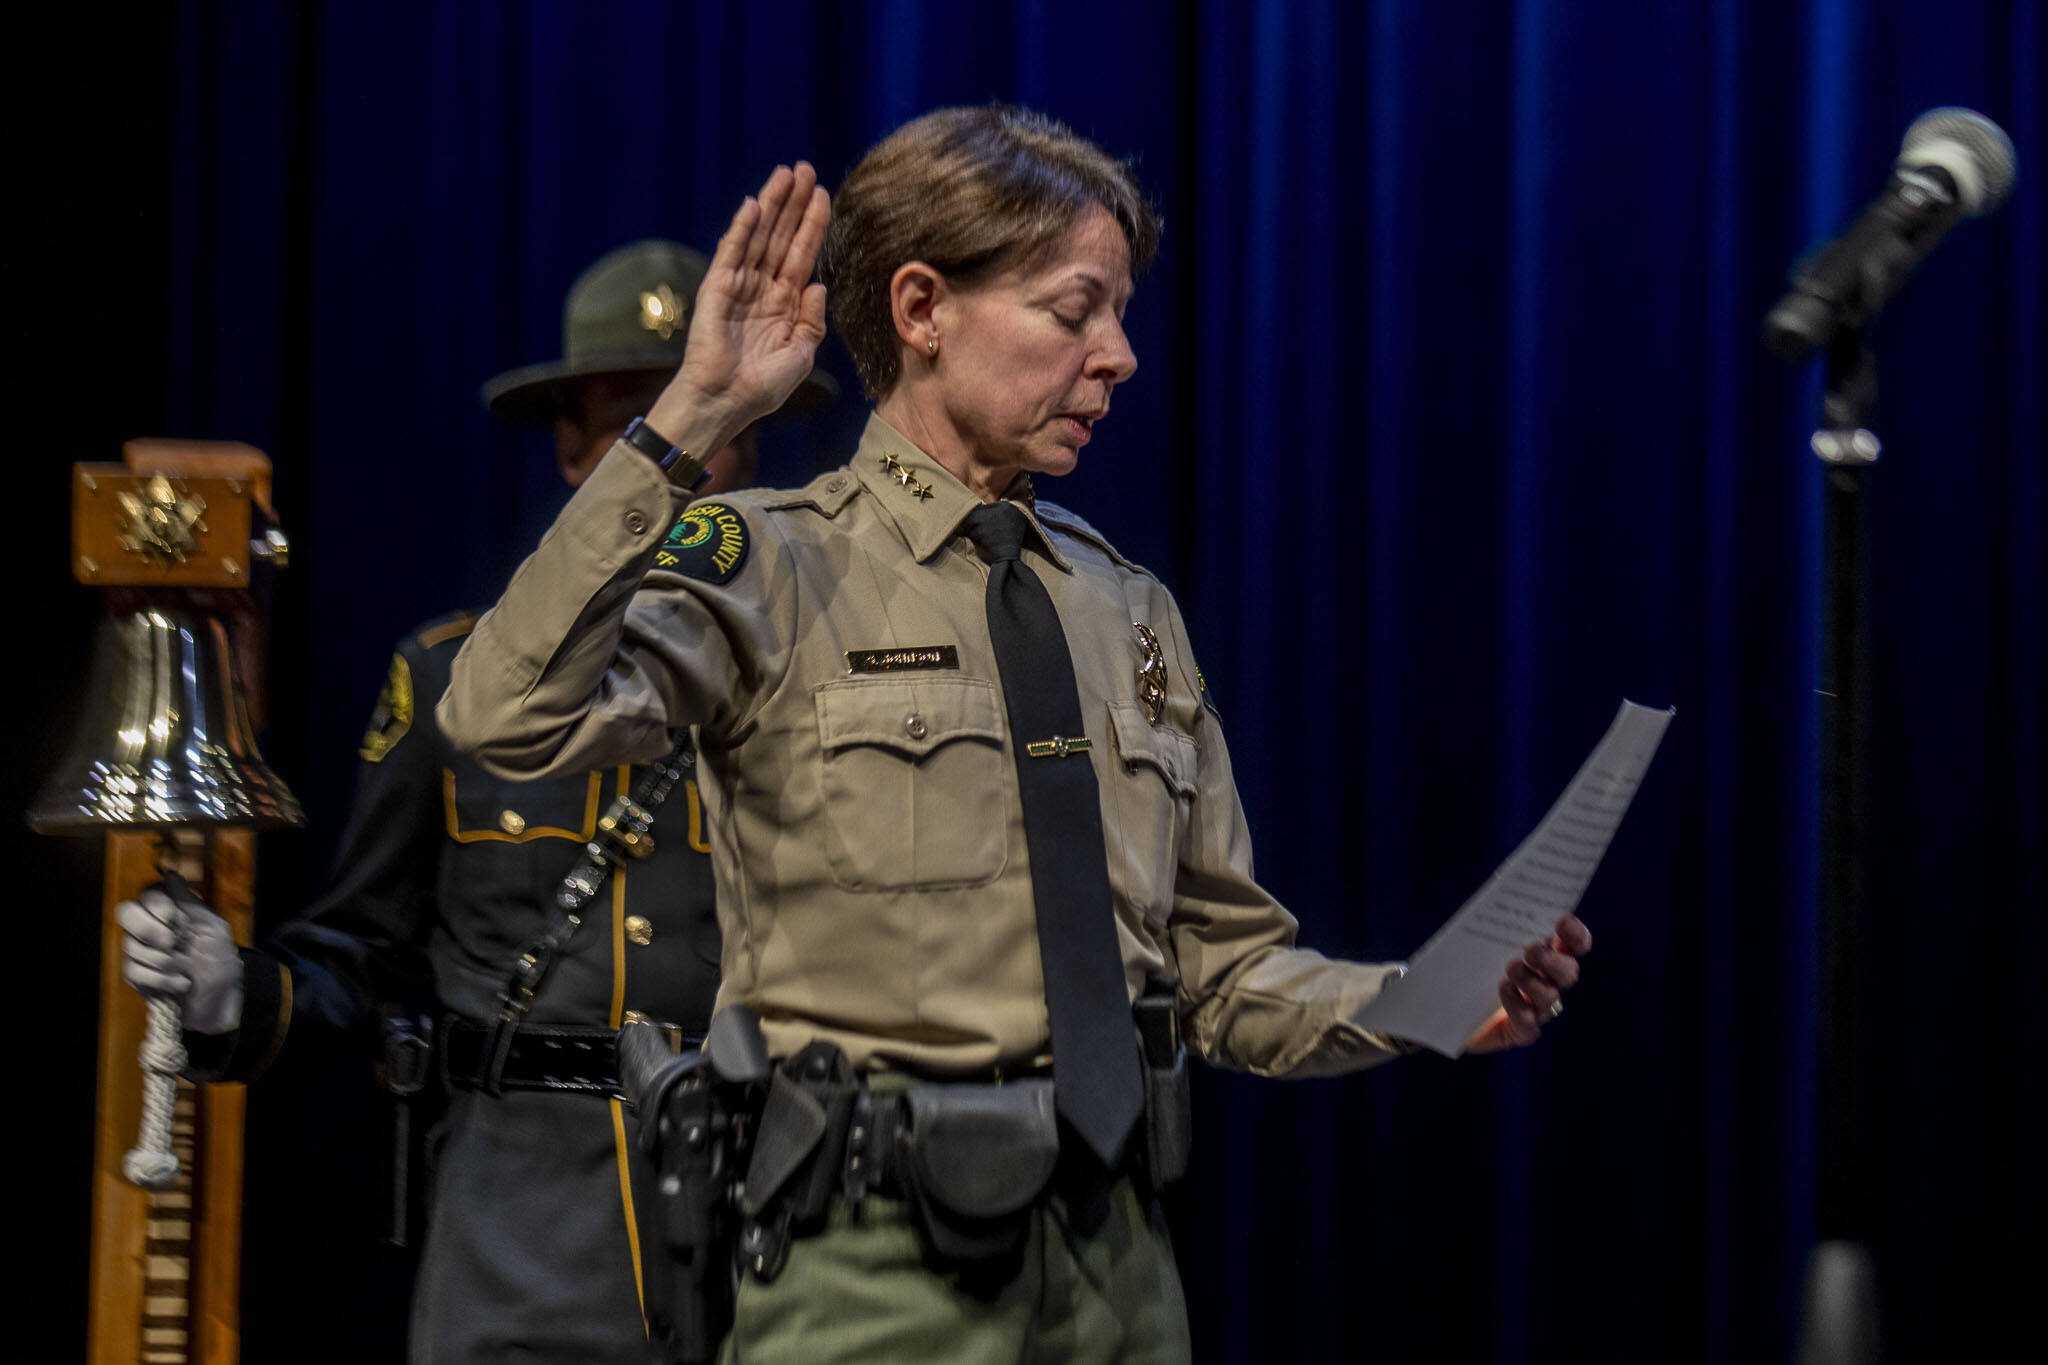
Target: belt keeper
[[490, 1077]]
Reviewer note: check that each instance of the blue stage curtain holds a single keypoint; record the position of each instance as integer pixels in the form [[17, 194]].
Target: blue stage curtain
[[1451, 429]]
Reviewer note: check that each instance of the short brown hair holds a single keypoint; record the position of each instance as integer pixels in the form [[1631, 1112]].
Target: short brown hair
[[964, 190]]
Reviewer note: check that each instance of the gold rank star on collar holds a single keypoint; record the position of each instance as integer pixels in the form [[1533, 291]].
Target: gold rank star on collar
[[921, 499], [893, 467]]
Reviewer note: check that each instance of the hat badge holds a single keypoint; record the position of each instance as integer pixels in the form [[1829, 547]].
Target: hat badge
[[661, 312]]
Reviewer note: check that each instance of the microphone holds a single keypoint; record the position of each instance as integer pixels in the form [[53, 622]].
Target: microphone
[[1953, 164]]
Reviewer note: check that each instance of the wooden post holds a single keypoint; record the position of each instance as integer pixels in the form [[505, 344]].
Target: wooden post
[[166, 1264]]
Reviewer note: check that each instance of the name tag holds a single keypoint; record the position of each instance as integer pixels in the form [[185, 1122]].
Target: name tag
[[902, 660]]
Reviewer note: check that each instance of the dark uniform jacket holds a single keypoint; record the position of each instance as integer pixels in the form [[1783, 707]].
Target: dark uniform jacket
[[446, 873]]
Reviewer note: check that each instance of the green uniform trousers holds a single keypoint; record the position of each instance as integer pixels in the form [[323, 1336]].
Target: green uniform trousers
[[1096, 1283]]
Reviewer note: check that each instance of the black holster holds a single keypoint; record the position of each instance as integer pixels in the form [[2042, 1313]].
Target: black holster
[[692, 1116], [799, 1151], [404, 1065], [1169, 1105], [689, 1280]]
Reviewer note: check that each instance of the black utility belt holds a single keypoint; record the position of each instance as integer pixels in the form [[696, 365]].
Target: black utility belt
[[871, 1136], [969, 1158], [567, 1058]]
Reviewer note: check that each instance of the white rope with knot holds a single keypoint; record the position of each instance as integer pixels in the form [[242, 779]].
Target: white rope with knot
[[151, 1163]]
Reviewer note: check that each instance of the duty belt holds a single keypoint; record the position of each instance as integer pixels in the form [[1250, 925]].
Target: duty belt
[[865, 1154], [970, 1159], [560, 1057]]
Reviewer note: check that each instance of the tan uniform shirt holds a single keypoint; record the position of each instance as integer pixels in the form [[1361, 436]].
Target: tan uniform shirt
[[862, 802]]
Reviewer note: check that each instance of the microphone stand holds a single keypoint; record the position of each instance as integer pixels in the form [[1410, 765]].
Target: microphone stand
[[1832, 298], [1840, 1324]]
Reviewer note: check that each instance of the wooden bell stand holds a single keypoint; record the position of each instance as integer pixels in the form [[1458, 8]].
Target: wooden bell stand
[[166, 1265]]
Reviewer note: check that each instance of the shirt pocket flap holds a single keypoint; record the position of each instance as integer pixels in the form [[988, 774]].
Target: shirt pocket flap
[[482, 808], [913, 718], [1162, 748]]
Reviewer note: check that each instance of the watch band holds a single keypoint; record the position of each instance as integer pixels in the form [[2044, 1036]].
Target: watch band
[[683, 469]]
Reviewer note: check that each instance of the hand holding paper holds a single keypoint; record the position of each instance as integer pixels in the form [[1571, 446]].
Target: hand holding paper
[[1478, 983], [1531, 991]]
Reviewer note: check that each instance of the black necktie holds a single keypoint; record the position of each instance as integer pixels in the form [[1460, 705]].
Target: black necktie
[[1095, 1054]]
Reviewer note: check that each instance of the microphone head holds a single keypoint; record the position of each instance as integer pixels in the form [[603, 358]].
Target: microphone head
[[1974, 151]]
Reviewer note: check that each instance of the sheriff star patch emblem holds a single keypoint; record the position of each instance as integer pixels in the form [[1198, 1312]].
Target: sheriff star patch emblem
[[709, 542], [393, 716]]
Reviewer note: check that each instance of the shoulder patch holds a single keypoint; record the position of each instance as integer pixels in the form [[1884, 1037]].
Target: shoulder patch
[[709, 542], [393, 716]]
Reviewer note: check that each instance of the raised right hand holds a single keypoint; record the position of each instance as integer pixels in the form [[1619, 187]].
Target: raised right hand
[[183, 952], [757, 319]]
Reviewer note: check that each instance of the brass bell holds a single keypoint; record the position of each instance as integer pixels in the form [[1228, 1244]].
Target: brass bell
[[165, 739]]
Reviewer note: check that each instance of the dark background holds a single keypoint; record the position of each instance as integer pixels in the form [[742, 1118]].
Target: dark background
[[1451, 430]]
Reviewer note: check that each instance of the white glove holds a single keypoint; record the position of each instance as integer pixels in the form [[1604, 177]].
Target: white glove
[[184, 953]]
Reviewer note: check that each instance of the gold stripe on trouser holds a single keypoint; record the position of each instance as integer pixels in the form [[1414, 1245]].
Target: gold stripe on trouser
[[619, 921], [626, 1197], [618, 1109]]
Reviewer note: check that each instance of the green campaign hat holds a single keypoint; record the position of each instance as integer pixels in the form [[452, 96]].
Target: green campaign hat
[[627, 314]]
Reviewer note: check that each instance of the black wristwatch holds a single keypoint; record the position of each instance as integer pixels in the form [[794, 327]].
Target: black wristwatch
[[683, 469]]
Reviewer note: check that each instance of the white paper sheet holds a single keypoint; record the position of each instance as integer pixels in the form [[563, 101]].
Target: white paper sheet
[[1452, 984]]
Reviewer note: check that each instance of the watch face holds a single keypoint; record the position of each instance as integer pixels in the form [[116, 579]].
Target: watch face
[[684, 471]]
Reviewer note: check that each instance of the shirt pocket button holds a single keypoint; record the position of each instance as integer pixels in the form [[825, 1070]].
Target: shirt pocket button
[[914, 726]]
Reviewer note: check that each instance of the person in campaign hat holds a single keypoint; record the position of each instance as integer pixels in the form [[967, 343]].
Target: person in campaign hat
[[622, 337], [529, 918]]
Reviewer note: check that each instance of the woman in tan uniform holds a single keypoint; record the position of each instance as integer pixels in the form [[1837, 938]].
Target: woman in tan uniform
[[967, 799]]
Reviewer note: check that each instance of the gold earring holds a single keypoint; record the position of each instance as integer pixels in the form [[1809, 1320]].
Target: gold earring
[[931, 345]]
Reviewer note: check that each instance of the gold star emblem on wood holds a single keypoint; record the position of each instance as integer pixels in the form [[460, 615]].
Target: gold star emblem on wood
[[163, 524]]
